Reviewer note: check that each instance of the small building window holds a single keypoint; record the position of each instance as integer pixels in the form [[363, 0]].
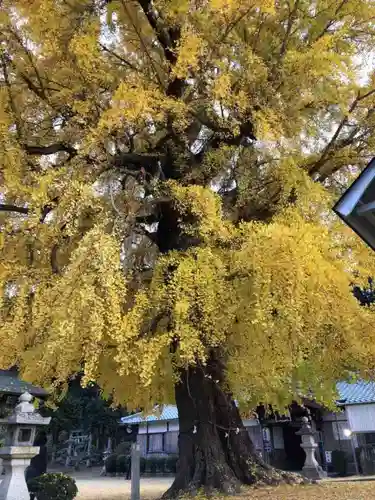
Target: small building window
[[338, 428], [155, 443], [369, 437], [171, 442]]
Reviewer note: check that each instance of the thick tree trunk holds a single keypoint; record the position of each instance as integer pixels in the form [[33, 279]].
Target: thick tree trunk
[[216, 453], [215, 450], [202, 460]]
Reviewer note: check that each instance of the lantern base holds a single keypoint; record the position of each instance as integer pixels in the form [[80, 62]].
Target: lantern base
[[314, 473], [15, 461]]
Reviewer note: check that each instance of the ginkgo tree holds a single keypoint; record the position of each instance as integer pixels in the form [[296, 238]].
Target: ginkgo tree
[[168, 169]]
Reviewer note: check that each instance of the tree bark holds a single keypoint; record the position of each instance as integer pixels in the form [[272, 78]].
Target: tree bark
[[216, 453]]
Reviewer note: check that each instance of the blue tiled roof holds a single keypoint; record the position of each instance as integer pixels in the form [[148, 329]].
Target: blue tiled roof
[[349, 394], [168, 412], [359, 393]]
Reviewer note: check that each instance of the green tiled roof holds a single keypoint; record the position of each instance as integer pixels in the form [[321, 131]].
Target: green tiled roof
[[11, 384]]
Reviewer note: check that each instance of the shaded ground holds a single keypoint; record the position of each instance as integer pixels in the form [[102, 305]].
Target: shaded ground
[[116, 489]]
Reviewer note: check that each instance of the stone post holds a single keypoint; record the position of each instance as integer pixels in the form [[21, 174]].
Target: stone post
[[135, 472], [18, 448], [311, 469], [106, 454], [69, 451], [2, 435], [89, 451]]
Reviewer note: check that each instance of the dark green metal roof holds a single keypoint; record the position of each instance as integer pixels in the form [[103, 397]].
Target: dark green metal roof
[[11, 384]]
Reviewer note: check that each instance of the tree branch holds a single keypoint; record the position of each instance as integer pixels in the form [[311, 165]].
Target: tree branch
[[118, 57], [153, 237], [39, 92], [331, 21], [291, 18], [16, 115], [231, 26], [13, 208], [32, 87], [48, 208], [168, 38], [364, 96], [4, 207], [148, 162], [50, 150], [31, 61], [148, 219], [145, 48], [330, 147], [53, 259]]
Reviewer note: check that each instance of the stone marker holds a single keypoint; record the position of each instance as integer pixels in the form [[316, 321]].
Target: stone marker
[[18, 448]]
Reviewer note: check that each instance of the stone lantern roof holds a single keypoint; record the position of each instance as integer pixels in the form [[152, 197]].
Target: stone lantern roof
[[10, 384]]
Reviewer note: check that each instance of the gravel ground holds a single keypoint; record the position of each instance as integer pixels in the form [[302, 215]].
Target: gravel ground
[[111, 488], [91, 486], [151, 489]]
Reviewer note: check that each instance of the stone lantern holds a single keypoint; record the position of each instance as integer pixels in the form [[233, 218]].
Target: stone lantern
[[21, 427], [311, 469]]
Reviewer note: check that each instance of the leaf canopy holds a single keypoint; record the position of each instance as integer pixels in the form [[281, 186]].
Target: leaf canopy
[[167, 173]]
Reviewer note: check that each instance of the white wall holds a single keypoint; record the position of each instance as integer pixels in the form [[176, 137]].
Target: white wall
[[173, 426], [361, 417], [153, 427]]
